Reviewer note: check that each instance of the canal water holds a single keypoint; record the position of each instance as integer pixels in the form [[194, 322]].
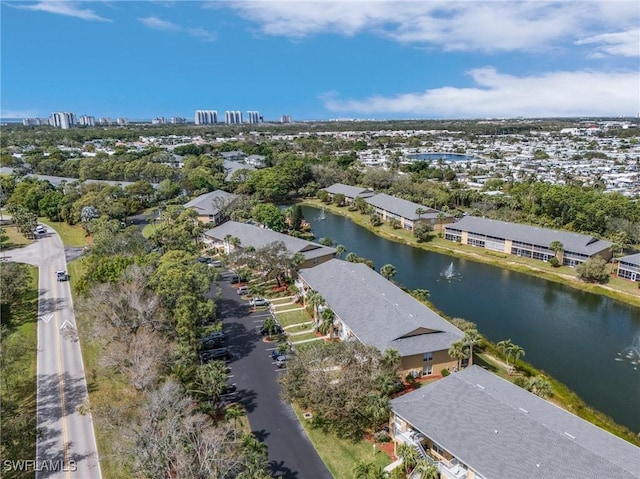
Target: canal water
[[589, 342]]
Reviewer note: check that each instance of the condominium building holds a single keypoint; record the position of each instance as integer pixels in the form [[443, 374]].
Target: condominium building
[[285, 119], [62, 120], [158, 120], [122, 121], [232, 117], [86, 120], [253, 117], [178, 120], [32, 121], [534, 242], [206, 117]]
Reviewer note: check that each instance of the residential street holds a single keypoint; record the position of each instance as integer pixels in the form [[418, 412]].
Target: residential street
[[66, 445], [291, 454]]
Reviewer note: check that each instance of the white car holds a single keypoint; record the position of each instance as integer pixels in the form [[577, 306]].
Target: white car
[[259, 302], [41, 229]]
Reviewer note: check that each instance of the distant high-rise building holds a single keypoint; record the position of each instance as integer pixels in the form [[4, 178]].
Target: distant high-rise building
[[32, 121], [232, 117], [122, 121], [285, 119], [177, 120], [86, 120], [158, 120], [104, 121], [62, 120], [206, 117], [253, 117]]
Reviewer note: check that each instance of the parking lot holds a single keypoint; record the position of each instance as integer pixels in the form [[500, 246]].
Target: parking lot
[[255, 373]]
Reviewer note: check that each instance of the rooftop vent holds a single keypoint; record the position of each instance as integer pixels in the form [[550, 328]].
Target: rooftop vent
[[480, 386], [524, 410], [569, 435]]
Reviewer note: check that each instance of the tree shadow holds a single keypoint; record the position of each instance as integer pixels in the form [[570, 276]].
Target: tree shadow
[[278, 469], [261, 435]]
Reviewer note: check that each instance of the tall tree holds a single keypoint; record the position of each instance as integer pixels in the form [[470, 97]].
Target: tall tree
[[388, 271]]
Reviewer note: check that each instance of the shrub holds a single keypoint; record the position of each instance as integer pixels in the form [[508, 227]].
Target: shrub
[[382, 436], [445, 372], [554, 262]]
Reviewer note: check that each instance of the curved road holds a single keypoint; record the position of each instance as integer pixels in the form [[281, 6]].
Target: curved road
[[65, 445]]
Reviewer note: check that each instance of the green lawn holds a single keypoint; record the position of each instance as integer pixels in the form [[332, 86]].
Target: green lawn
[[14, 239], [148, 230], [341, 455], [293, 317], [18, 385], [72, 235], [303, 337]]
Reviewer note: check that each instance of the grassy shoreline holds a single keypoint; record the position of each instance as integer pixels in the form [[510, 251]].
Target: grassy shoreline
[[563, 395]]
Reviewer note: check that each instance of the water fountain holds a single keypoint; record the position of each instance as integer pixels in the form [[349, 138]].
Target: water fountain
[[631, 354], [322, 215], [450, 273]]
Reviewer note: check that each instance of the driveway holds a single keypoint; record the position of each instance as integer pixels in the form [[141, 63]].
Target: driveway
[[273, 421], [65, 445]]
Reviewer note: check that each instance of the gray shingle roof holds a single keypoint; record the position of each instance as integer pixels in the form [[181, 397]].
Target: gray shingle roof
[[251, 235], [632, 259], [398, 206], [502, 431], [208, 203], [377, 311], [349, 191], [574, 242]]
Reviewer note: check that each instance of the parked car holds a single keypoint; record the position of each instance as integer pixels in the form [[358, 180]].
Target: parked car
[[204, 260], [243, 290], [235, 279], [281, 361], [215, 354], [40, 230], [259, 302], [62, 275], [276, 330], [212, 341], [216, 264]]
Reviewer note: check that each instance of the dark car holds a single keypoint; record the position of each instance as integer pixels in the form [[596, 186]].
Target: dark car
[[277, 329], [215, 354], [229, 389], [213, 341], [204, 260], [235, 279]]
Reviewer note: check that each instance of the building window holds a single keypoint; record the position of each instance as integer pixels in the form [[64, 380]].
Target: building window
[[427, 370], [427, 357]]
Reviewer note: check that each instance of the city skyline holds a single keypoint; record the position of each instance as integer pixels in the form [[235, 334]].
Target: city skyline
[[321, 60]]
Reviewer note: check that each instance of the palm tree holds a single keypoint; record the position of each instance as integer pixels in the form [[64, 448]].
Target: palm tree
[[270, 326], [234, 412], [457, 351], [326, 324], [409, 455], [352, 258], [368, 470], [441, 216], [340, 250], [420, 294], [315, 300], [505, 346], [378, 407], [556, 246], [427, 470], [420, 211], [517, 351], [471, 338], [388, 271], [391, 358]]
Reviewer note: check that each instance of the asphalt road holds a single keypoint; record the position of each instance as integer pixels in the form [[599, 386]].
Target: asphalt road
[[66, 446], [273, 421]]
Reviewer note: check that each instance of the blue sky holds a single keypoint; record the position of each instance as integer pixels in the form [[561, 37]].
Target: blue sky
[[321, 60]]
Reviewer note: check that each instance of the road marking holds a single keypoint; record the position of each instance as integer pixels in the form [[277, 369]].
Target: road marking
[[46, 317], [63, 416], [66, 325]]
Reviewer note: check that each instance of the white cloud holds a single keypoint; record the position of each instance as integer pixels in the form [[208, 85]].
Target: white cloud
[[580, 93], [69, 9], [157, 23], [451, 25], [18, 113], [625, 43]]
